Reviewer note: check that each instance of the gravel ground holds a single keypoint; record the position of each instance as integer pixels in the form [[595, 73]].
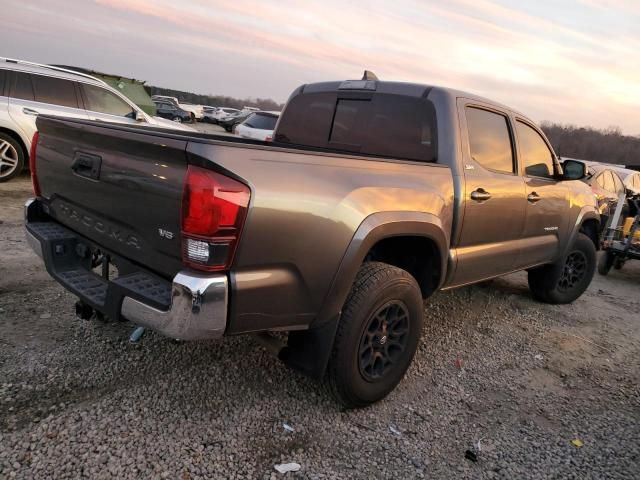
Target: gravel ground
[[78, 401]]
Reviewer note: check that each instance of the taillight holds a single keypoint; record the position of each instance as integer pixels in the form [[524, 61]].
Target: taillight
[[213, 211], [269, 138], [32, 164]]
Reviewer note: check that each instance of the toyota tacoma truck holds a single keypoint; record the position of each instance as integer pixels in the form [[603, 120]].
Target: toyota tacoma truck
[[372, 196]]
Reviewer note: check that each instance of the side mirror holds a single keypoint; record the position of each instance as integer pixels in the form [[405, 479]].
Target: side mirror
[[573, 170], [139, 116]]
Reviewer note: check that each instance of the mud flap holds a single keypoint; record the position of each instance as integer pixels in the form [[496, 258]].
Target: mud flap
[[309, 351]]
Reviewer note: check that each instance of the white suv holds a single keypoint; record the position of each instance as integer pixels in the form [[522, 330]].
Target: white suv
[[28, 89]]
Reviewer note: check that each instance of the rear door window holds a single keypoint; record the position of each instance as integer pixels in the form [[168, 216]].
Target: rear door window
[[54, 91], [22, 86], [489, 140], [103, 101]]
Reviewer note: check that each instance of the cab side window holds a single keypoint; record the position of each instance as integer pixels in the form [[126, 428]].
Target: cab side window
[[536, 155], [490, 140]]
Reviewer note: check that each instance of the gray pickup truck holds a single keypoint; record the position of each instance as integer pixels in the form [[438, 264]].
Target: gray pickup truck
[[372, 196]]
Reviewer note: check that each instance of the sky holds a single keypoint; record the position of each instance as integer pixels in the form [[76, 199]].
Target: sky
[[568, 61]]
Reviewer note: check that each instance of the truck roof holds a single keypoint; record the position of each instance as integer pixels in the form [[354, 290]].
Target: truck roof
[[396, 88]]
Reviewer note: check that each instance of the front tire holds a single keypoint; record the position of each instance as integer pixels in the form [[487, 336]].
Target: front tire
[[564, 281], [377, 336], [12, 157], [177, 119]]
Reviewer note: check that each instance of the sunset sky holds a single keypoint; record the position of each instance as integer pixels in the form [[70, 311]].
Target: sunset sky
[[572, 61]]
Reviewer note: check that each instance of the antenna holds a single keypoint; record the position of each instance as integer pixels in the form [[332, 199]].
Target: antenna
[[369, 75]]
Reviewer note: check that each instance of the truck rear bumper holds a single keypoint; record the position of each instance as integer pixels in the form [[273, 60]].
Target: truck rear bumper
[[191, 307]]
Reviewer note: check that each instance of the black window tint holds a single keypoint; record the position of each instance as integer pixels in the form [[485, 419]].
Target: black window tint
[[261, 121], [348, 123], [307, 120], [103, 101], [55, 91], [22, 87], [536, 156], [400, 127], [489, 140], [3, 78]]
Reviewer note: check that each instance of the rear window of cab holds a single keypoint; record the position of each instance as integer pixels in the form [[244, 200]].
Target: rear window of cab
[[384, 125]]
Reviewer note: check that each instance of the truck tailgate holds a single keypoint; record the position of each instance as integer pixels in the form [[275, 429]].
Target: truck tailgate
[[121, 188]]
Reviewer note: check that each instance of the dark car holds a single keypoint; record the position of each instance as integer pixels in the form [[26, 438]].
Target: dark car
[[172, 112], [607, 187], [232, 120]]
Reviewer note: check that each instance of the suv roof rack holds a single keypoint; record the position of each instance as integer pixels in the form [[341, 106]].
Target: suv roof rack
[[50, 67]]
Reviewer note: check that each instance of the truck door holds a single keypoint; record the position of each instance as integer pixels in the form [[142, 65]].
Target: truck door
[[546, 226], [494, 200]]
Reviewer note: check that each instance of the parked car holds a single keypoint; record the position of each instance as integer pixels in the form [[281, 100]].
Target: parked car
[[606, 186], [29, 89], [218, 114], [172, 112], [631, 179], [230, 121], [196, 111], [362, 207], [258, 126]]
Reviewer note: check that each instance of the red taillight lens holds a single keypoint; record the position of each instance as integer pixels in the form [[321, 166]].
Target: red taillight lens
[[213, 211], [32, 164]]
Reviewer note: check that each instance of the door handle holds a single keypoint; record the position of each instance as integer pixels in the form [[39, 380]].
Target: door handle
[[480, 195], [86, 165], [533, 197], [30, 111]]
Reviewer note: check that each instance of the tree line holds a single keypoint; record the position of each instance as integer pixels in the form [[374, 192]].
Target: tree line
[[215, 100], [586, 143]]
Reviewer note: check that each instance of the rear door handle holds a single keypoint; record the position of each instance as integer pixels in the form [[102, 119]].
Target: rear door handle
[[533, 197], [480, 195], [30, 111]]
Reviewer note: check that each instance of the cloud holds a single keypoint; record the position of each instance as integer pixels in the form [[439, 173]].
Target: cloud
[[528, 55]]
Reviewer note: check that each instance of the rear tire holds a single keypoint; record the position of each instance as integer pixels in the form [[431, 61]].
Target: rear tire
[[564, 281], [377, 336], [12, 157]]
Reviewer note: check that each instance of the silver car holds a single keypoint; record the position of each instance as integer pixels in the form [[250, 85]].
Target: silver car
[[29, 89]]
